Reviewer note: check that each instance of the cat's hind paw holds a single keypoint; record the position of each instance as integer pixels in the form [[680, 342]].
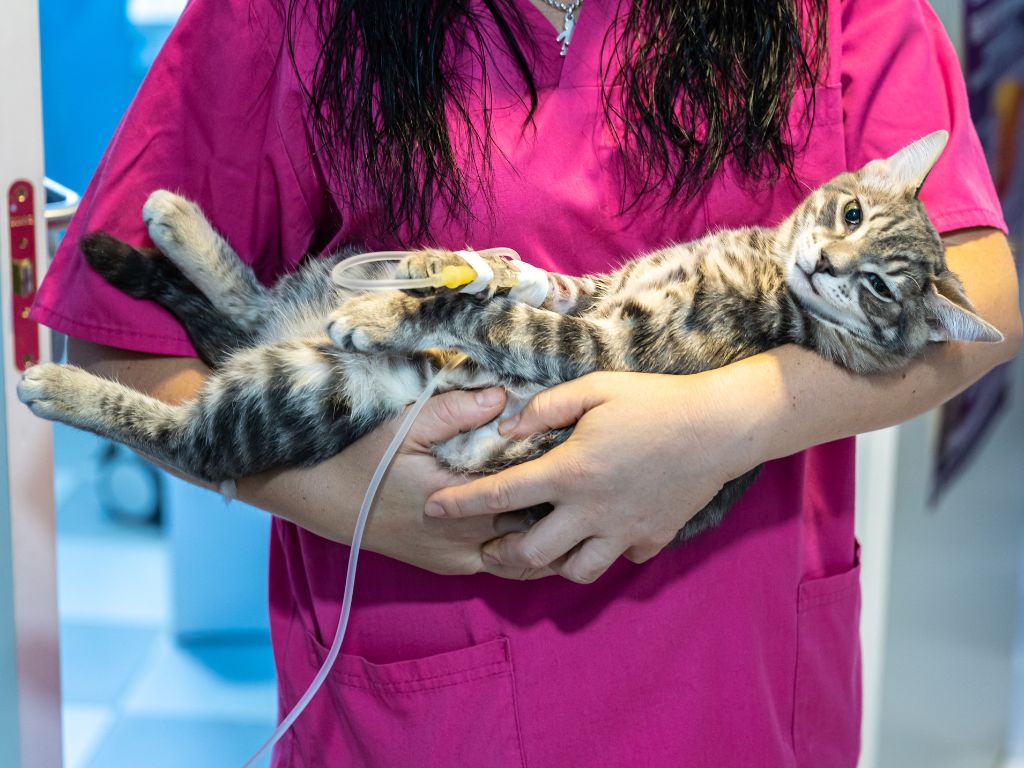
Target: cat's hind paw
[[372, 322], [173, 222]]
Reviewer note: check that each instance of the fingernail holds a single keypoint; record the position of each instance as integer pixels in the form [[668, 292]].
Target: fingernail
[[488, 397], [433, 509], [508, 425]]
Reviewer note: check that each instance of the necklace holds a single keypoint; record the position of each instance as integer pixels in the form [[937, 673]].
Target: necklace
[[569, 9]]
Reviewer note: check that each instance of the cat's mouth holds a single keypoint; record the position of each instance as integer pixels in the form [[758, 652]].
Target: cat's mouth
[[809, 276], [813, 300]]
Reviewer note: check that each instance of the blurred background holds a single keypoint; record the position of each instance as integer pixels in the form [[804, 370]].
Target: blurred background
[[164, 653]]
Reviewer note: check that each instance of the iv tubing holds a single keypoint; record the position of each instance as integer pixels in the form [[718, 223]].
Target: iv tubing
[[353, 557]]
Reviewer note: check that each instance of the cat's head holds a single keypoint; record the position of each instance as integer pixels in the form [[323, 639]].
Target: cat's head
[[869, 270]]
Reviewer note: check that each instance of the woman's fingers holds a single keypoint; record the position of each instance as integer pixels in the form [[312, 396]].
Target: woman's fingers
[[559, 406], [519, 487], [445, 416], [518, 574], [642, 552], [590, 560], [512, 522], [541, 546], [557, 547]]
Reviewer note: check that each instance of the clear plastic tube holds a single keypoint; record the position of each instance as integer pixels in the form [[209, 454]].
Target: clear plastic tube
[[353, 558], [460, 274]]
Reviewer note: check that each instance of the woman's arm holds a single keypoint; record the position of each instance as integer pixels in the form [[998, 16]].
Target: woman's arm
[[679, 438], [325, 499]]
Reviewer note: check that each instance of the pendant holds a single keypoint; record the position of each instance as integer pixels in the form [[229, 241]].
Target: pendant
[[565, 36]]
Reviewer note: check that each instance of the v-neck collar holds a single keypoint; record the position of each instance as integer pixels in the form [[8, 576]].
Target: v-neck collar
[[552, 70]]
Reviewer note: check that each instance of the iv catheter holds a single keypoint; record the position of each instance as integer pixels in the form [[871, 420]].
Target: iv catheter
[[526, 283]]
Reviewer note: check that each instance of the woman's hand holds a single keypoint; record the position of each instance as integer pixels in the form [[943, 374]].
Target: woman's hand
[[648, 452], [326, 498], [397, 526]]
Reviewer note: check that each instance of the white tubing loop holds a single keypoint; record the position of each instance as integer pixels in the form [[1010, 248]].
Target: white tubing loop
[[377, 284], [353, 558]]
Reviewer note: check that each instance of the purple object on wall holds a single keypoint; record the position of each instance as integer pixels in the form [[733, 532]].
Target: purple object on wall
[[993, 40]]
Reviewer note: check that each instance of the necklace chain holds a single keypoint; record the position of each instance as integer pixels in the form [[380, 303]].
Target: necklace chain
[[569, 23], [564, 7]]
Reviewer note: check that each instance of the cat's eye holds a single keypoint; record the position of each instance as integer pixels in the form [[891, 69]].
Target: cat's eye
[[852, 215], [878, 286]]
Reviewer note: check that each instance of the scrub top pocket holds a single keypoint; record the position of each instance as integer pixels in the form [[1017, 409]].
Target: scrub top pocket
[[826, 716], [450, 709]]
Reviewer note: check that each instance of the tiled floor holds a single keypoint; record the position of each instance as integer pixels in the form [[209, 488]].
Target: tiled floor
[[133, 695]]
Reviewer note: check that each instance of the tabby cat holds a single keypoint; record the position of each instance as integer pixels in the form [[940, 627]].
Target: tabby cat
[[857, 273]]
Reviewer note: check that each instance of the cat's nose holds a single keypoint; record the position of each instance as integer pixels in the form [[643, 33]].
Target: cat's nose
[[824, 265]]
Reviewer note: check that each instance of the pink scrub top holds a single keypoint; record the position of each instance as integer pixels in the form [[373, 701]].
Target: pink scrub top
[[737, 649]]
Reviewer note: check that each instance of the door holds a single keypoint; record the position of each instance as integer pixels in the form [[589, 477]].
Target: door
[[30, 732]]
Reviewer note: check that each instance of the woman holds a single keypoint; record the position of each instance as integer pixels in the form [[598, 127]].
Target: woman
[[737, 649]]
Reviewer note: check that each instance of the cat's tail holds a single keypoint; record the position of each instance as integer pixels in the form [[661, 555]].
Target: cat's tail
[[145, 273]]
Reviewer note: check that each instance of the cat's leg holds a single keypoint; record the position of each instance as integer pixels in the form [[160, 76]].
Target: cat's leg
[[148, 274], [198, 437], [181, 231], [431, 262], [508, 338], [72, 396], [567, 294], [571, 295], [296, 402]]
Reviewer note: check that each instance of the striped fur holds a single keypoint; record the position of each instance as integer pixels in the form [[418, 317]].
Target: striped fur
[[285, 391]]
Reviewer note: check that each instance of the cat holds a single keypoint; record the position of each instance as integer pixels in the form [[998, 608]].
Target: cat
[[856, 273]]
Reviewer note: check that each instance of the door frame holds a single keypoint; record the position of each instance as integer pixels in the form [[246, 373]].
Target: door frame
[[30, 715]]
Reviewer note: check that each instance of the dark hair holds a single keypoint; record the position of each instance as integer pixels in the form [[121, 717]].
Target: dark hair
[[695, 81]]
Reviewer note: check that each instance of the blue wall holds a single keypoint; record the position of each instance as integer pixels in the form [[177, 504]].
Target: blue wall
[[93, 60]]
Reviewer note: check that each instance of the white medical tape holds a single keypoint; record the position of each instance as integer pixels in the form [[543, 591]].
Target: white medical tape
[[533, 285], [484, 273]]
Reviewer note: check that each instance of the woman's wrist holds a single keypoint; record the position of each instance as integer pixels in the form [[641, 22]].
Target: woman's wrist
[[737, 410]]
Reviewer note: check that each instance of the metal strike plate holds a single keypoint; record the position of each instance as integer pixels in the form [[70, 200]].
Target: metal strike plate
[[22, 280], [22, 225]]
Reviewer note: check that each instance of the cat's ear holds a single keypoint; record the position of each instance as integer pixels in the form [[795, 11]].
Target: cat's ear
[[951, 316], [909, 167]]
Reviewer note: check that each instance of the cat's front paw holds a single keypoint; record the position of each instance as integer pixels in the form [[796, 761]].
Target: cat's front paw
[[172, 220], [425, 264], [52, 391], [372, 322], [432, 263]]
